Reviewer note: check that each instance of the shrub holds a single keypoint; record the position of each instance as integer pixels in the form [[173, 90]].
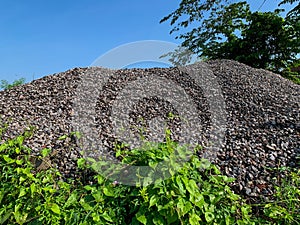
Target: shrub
[[195, 192]]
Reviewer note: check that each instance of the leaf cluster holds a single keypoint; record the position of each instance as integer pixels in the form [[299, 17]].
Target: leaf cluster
[[4, 84], [196, 194], [222, 29]]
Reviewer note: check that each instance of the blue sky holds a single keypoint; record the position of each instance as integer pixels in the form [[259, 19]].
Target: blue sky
[[38, 38]]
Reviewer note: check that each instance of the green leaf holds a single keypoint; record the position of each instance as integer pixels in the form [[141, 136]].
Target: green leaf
[[8, 159], [199, 200], [192, 187], [55, 208], [32, 189], [194, 219], [63, 137], [184, 206], [229, 179], [172, 216], [98, 196], [45, 152], [21, 179], [89, 188], [38, 208], [153, 164], [3, 147], [2, 194], [118, 153], [100, 179], [228, 220], [22, 192], [80, 163], [185, 181], [108, 192], [20, 140], [96, 217], [153, 200], [19, 162], [17, 150], [180, 185], [85, 205], [107, 217], [71, 200], [76, 134], [209, 217], [142, 219]]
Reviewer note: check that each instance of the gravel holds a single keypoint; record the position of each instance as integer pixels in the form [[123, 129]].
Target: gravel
[[261, 111]]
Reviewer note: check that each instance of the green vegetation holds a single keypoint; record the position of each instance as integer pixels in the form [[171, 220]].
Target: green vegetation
[[4, 84], [196, 194], [285, 209], [224, 30], [293, 72]]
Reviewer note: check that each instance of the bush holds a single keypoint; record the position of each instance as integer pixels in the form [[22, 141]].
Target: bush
[[196, 193]]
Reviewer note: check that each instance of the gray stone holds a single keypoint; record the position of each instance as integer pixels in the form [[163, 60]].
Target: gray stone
[[262, 111]]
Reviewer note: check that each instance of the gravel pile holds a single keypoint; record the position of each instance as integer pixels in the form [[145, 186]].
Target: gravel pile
[[261, 129]]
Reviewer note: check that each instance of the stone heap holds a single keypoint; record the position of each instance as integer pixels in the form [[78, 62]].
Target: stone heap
[[261, 111]]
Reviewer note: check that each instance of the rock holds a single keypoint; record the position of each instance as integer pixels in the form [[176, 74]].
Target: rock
[[262, 112], [272, 158], [270, 148], [248, 191]]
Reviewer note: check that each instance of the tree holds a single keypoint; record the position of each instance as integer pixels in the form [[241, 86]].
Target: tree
[[267, 41], [230, 30], [292, 72], [294, 13], [208, 30]]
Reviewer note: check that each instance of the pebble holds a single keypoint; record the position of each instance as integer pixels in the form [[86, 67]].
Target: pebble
[[248, 191], [272, 158]]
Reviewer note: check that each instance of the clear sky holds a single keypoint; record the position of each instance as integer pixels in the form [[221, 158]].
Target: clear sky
[[38, 38]]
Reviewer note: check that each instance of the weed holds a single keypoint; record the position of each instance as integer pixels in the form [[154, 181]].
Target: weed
[[195, 193], [4, 84]]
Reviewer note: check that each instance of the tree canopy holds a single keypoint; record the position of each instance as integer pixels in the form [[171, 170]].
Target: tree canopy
[[294, 13], [220, 29]]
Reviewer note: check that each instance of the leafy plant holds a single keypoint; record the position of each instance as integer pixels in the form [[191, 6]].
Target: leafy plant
[[284, 208], [4, 84], [195, 192]]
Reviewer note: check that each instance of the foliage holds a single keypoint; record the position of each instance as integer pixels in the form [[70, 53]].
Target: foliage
[[6, 85], [30, 197], [196, 194], [292, 72], [294, 13], [284, 208], [230, 30], [208, 20], [266, 42]]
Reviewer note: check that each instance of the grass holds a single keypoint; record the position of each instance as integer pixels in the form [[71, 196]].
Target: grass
[[194, 193]]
